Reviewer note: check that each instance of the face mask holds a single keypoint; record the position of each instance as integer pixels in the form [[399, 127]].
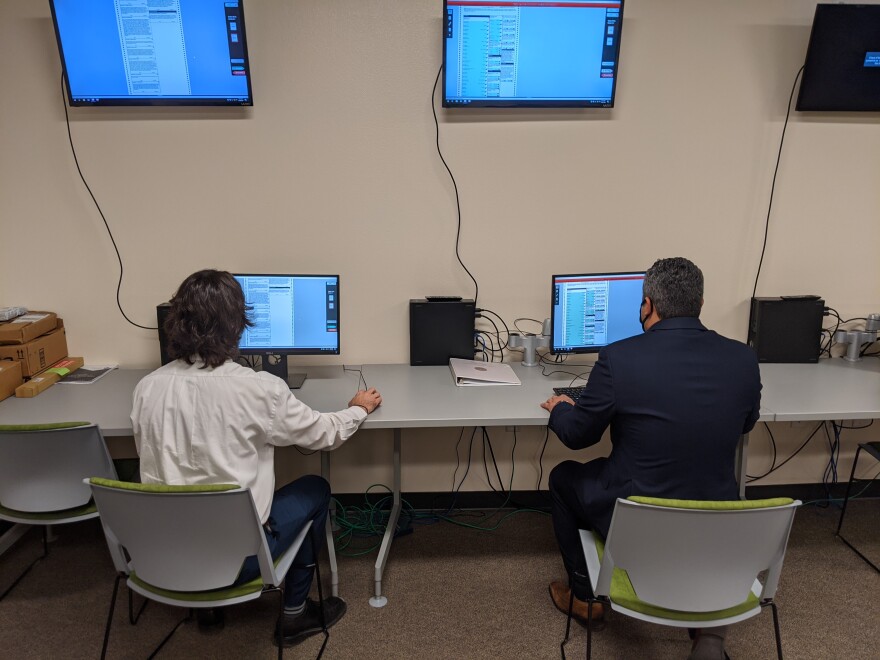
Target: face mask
[[642, 319]]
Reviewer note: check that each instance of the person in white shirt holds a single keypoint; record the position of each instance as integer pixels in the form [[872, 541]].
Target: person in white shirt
[[205, 419]]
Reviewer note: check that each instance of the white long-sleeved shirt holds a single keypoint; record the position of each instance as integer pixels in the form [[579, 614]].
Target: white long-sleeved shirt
[[221, 425]]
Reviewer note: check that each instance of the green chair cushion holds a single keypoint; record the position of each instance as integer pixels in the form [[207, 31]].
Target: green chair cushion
[[732, 505], [40, 427], [162, 488], [235, 591], [623, 594], [49, 516]]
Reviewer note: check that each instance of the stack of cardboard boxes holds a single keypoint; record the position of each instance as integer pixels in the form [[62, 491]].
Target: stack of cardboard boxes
[[29, 344]]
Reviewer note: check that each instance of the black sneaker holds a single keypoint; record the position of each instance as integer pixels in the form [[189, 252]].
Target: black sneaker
[[297, 627]]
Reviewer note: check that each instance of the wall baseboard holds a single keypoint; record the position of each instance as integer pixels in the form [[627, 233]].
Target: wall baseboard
[[540, 500]]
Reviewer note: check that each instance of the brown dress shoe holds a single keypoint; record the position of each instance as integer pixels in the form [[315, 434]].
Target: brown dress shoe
[[560, 593]]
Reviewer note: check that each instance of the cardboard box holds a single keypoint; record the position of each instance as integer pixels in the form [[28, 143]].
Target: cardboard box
[[46, 379], [38, 354], [27, 327], [10, 377]]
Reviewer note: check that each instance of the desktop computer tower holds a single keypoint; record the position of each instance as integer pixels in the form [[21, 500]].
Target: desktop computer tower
[[787, 328], [439, 330], [162, 312]]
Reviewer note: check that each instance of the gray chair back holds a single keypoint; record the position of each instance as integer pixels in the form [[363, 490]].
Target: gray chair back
[[43, 470]]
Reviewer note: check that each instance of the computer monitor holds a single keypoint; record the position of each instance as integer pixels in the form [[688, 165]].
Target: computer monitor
[[842, 67], [593, 310], [530, 53], [148, 52], [292, 315]]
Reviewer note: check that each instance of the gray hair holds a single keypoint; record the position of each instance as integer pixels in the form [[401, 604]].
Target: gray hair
[[675, 286]]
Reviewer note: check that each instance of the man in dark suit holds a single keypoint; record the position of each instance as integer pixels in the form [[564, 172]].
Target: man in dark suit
[[677, 399]]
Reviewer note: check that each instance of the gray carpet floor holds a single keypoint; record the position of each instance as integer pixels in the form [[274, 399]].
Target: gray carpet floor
[[453, 593]]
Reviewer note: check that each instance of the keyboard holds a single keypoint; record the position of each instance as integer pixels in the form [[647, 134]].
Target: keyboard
[[573, 392]]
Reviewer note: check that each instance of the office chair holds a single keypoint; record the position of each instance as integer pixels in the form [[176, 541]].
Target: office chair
[[41, 471], [872, 448], [693, 564], [184, 546]]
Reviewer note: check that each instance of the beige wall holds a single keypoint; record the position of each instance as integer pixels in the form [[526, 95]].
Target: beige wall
[[335, 169]]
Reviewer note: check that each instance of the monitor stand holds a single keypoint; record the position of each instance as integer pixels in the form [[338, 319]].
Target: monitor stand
[[279, 368]]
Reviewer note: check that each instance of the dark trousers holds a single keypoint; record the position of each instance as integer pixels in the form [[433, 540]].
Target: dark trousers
[[569, 516], [307, 498]]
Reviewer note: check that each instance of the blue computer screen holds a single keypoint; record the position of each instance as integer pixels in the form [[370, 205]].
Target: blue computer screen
[[297, 314], [592, 311], [530, 53], [153, 52]]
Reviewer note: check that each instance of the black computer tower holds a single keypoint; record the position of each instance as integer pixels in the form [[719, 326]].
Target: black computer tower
[[162, 312], [439, 330], [787, 328]]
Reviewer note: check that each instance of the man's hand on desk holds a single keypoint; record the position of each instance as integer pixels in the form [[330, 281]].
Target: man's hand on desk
[[550, 403], [369, 399]]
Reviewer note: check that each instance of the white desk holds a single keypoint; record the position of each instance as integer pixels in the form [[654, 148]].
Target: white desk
[[831, 389], [420, 397], [413, 397], [106, 403]]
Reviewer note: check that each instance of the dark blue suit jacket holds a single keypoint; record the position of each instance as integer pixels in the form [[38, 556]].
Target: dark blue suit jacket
[[677, 399]]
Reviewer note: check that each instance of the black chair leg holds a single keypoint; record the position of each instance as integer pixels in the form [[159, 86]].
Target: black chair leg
[[852, 474], [119, 577], [323, 617], [849, 484], [776, 630], [132, 617], [188, 616], [279, 630], [578, 577], [567, 622], [32, 564]]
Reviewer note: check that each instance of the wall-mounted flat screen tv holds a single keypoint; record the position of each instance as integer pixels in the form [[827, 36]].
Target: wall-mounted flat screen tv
[[842, 68], [530, 53], [153, 52]]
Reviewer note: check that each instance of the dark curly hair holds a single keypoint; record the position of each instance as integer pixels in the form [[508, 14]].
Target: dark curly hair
[[206, 319], [675, 286]]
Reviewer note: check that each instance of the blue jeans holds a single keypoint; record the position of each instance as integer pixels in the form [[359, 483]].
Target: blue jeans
[[307, 498]]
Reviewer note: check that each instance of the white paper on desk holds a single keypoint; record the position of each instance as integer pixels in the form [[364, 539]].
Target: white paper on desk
[[474, 372]]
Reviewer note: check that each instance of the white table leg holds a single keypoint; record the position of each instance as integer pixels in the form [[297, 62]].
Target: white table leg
[[378, 600]]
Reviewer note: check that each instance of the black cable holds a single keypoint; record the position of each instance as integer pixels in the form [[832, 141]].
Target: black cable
[[98, 206], [506, 329], [360, 372], [797, 451], [456, 489], [488, 440], [773, 185], [516, 327], [501, 346], [490, 346], [454, 185], [772, 462], [541, 458], [856, 428], [829, 475]]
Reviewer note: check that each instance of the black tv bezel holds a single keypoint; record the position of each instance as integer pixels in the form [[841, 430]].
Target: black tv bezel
[[172, 101], [808, 80], [299, 351], [585, 350], [517, 103]]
